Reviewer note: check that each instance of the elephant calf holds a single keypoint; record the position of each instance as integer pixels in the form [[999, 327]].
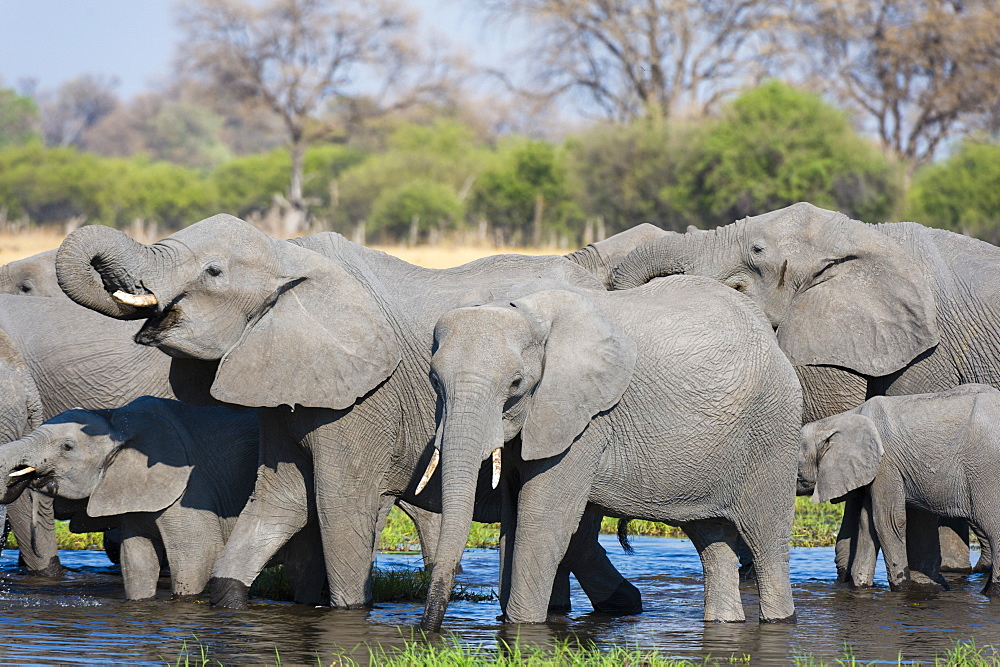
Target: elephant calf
[[177, 475], [924, 456]]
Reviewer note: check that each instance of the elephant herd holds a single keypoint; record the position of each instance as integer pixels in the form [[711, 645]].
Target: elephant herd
[[308, 385]]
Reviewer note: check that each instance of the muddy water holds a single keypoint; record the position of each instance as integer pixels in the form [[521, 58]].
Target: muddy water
[[82, 617]]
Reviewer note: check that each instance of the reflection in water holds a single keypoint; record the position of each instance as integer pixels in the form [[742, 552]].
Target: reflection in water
[[83, 618]]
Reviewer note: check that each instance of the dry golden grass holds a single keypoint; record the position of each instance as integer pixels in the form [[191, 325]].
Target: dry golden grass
[[24, 244]]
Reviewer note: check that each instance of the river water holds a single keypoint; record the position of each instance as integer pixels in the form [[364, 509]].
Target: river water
[[83, 618]]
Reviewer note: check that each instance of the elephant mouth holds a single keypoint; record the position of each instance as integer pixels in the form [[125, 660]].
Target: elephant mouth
[[156, 330]]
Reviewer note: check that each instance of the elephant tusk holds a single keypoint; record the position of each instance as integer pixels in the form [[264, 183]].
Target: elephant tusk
[[137, 300], [22, 471], [431, 467], [496, 467]]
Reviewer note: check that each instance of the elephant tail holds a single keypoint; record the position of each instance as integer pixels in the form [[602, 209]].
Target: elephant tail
[[623, 535]]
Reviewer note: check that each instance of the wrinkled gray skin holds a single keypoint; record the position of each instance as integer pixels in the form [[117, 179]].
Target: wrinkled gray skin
[[31, 276], [56, 356], [669, 402], [33, 513], [937, 453], [339, 331], [177, 475], [861, 310]]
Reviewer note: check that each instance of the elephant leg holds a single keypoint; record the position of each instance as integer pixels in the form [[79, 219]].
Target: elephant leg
[[508, 529], [990, 528], [428, 526], [193, 542], [844, 551], [348, 518], [865, 547], [32, 518], [609, 592], [303, 560], [985, 563], [717, 545], [545, 527], [889, 517], [769, 544], [278, 508], [923, 550], [953, 535], [140, 563]]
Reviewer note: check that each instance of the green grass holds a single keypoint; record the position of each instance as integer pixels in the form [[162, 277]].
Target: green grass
[[573, 652], [815, 526]]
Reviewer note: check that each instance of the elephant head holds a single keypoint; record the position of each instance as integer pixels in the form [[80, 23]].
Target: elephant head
[[837, 455], [541, 367], [126, 460], [31, 276], [837, 291], [287, 325]]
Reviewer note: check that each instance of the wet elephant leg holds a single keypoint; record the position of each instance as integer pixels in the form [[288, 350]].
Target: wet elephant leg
[[302, 557], [717, 545], [923, 551], [953, 536], [32, 518], [278, 508], [985, 563], [850, 525], [609, 592], [866, 546], [140, 563], [428, 526]]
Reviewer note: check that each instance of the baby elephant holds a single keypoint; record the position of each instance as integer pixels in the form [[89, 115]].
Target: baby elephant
[[932, 454], [178, 476]]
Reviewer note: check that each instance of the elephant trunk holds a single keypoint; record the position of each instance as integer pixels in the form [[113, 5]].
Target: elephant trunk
[[15, 458], [653, 259], [102, 268], [461, 458]]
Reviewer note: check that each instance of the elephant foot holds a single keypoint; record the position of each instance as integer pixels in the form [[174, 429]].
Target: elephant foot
[[723, 620], [911, 586], [625, 601], [228, 593], [992, 589], [184, 597], [53, 569], [786, 619]]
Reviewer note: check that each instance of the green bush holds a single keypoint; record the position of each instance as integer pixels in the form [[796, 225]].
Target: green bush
[[962, 193], [776, 145], [422, 202]]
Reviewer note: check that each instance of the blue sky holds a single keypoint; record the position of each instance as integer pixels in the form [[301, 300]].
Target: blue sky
[[53, 41]]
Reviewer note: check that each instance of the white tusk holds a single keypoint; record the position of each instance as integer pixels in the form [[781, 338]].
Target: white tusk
[[137, 300], [496, 467], [431, 467], [22, 471]]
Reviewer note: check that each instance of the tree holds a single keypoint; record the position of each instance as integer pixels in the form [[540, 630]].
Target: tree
[[18, 118], [75, 107], [917, 71], [635, 58], [294, 56], [774, 146], [961, 193]]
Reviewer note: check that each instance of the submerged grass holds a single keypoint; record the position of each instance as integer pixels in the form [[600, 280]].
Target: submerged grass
[[571, 651]]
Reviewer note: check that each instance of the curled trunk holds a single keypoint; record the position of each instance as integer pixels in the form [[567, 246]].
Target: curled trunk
[[13, 456], [95, 261], [660, 257]]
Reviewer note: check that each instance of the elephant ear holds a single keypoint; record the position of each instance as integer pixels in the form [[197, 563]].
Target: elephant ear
[[867, 307], [588, 364], [849, 458], [322, 341], [148, 472]]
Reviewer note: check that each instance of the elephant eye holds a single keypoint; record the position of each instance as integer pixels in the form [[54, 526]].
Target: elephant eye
[[213, 270], [25, 288], [516, 382], [67, 446]]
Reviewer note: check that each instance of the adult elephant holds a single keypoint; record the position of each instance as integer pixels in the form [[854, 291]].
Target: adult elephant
[[31, 276], [670, 402], [333, 340], [860, 309]]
